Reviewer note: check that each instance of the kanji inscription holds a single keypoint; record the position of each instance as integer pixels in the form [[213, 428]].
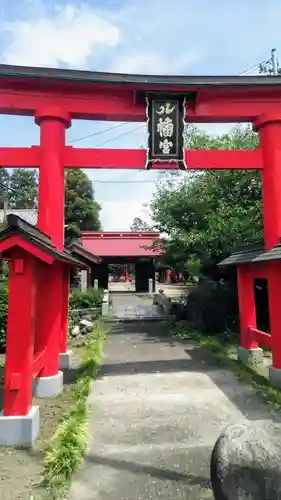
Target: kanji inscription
[[165, 128]]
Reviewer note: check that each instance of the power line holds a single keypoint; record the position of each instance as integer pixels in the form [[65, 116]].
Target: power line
[[251, 68], [131, 182], [118, 136], [98, 133]]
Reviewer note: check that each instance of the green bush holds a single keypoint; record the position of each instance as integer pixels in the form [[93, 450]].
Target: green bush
[[90, 299], [212, 308], [3, 313]]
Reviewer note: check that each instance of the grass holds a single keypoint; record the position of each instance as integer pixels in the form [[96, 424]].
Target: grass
[[225, 353], [66, 449]]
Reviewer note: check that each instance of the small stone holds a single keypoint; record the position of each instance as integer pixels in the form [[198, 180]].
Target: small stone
[[88, 317], [75, 331], [245, 462], [87, 325]]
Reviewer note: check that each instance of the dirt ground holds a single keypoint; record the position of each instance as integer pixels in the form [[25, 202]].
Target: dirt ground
[[20, 470]]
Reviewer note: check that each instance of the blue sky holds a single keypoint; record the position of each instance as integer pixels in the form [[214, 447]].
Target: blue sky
[[188, 37]]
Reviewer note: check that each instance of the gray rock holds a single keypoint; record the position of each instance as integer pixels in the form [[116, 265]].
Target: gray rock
[[75, 331], [88, 317], [86, 325], [246, 462]]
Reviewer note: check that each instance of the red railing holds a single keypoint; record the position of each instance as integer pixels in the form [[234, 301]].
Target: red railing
[[261, 337]]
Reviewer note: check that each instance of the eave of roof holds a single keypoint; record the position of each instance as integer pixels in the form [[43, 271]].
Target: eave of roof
[[94, 77], [252, 254], [75, 247], [18, 226]]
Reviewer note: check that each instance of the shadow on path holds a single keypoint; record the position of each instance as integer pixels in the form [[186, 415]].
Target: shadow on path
[[188, 357], [123, 465]]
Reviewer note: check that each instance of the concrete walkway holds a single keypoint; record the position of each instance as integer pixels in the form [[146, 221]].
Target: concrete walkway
[[156, 411], [133, 306]]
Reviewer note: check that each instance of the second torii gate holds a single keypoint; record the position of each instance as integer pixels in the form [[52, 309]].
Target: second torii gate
[[55, 97]]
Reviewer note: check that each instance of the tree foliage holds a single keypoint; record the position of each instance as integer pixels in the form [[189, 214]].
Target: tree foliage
[[81, 209], [209, 212], [23, 188], [4, 182], [140, 225]]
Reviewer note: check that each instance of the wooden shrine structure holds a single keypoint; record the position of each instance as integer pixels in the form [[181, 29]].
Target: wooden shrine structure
[[124, 248], [56, 97]]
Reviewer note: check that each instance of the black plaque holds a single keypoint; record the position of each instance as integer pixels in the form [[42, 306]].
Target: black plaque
[[165, 130]]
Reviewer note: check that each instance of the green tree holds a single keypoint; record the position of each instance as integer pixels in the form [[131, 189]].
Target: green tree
[[209, 212], [140, 225], [81, 209], [23, 188], [4, 182]]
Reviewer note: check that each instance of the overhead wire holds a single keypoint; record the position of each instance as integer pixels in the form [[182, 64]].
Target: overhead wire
[[251, 68], [119, 136], [128, 182], [99, 132]]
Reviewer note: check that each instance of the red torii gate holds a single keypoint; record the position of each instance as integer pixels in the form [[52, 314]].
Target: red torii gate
[[54, 97]]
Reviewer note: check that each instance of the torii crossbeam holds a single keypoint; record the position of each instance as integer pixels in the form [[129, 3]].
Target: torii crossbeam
[[132, 159]]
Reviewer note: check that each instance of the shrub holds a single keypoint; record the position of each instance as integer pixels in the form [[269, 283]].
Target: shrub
[[212, 308], [3, 313], [90, 299]]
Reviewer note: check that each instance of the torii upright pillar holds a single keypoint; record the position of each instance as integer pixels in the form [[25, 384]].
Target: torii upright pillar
[[53, 122], [269, 127]]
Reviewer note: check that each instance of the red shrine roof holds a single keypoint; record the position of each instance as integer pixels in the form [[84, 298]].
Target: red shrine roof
[[121, 244]]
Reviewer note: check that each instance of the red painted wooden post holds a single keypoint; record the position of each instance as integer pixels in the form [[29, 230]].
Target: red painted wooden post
[[269, 127], [64, 315], [19, 351], [53, 122], [48, 316], [247, 307], [274, 280]]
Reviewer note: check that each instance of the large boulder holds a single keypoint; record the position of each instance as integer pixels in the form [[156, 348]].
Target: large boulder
[[246, 462]]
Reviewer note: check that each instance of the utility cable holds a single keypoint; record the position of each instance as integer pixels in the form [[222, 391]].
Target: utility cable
[[251, 68], [98, 133], [118, 136], [130, 182]]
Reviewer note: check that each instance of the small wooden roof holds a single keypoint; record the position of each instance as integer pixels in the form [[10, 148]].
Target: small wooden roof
[[252, 254], [77, 248], [16, 226]]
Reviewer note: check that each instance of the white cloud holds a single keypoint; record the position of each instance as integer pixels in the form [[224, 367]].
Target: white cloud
[[67, 38], [152, 63], [80, 36], [119, 215]]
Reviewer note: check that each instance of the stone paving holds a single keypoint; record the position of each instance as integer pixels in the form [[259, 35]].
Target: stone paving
[[156, 411], [133, 306]]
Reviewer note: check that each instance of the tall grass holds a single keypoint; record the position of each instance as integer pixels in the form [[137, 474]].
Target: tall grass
[[67, 447]]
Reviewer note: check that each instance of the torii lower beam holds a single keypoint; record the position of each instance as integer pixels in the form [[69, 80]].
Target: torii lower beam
[[133, 159]]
